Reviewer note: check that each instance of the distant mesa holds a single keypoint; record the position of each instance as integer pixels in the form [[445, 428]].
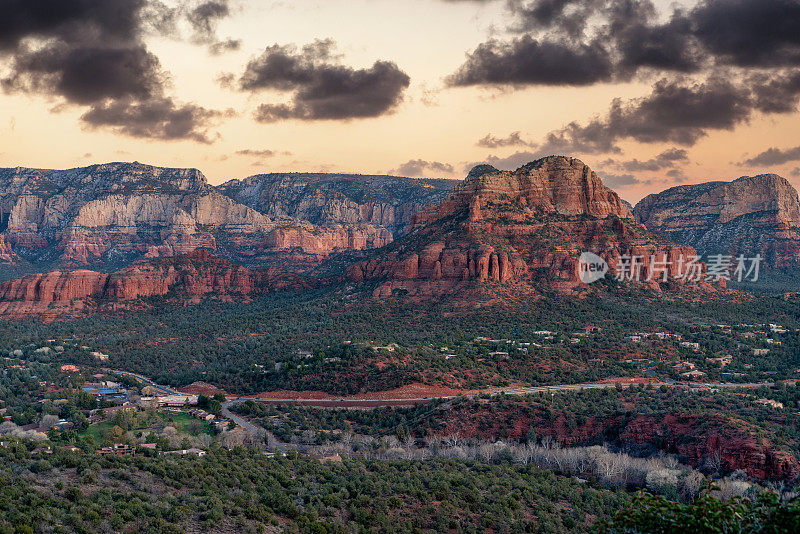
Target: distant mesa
[[748, 216], [497, 233], [388, 202], [108, 216]]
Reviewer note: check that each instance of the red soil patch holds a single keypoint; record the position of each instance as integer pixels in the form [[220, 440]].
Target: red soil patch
[[407, 392], [410, 391], [291, 395], [201, 388]]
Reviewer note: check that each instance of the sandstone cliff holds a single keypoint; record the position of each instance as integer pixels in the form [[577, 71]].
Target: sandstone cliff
[[751, 215], [694, 438], [7, 255], [111, 215], [387, 202], [524, 227], [186, 278]]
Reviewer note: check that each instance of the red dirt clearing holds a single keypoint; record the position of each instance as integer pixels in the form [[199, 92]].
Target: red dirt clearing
[[291, 395], [409, 391], [201, 388], [631, 380]]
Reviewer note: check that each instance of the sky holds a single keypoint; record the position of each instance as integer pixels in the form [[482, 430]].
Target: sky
[[650, 94]]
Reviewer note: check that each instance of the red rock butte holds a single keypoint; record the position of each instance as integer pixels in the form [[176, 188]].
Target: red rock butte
[[526, 227]]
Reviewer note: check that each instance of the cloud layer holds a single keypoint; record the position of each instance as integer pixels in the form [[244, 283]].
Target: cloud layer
[[419, 167], [321, 87], [92, 53], [774, 156], [579, 42], [713, 66]]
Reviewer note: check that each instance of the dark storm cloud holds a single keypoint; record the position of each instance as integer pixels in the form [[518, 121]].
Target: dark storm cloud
[[71, 21], [616, 39], [742, 33], [529, 61], [776, 92], [749, 32], [321, 87], [87, 74], [204, 19], [157, 118], [419, 167], [91, 53], [552, 49], [774, 156], [679, 111], [673, 112], [640, 41], [569, 16], [285, 67]]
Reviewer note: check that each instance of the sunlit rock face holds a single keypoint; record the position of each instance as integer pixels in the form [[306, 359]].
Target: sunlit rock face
[[749, 216], [527, 228], [185, 279], [108, 216]]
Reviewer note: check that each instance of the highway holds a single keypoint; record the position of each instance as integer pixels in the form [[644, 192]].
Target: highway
[[388, 401], [259, 433], [606, 385], [162, 390]]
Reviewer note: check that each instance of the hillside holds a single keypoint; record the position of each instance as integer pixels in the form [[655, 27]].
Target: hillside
[[524, 229], [751, 215], [108, 216], [182, 279], [386, 201]]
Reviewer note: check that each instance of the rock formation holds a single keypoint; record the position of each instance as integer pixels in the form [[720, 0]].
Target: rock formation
[[109, 216], [187, 278], [527, 227], [694, 438], [7, 255], [324, 240], [387, 202], [749, 216]]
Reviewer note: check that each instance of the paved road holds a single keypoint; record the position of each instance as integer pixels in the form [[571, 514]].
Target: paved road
[[163, 390], [259, 433], [389, 401], [606, 385], [256, 431]]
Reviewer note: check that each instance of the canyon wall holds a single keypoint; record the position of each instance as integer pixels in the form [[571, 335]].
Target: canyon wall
[[749, 216]]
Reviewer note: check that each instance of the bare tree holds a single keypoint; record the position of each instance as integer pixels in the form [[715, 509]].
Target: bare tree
[[8, 428], [48, 422]]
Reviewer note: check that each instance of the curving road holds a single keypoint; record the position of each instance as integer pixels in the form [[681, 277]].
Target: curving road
[[259, 433]]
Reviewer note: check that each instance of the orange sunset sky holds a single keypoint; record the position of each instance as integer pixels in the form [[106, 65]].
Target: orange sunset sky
[[418, 87]]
